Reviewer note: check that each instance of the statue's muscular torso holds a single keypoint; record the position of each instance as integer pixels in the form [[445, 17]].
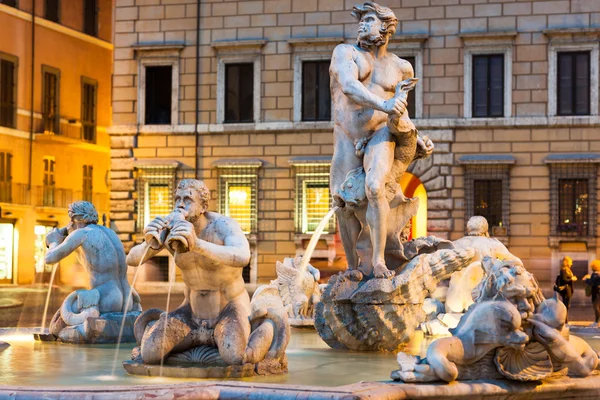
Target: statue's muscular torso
[[379, 75], [212, 285]]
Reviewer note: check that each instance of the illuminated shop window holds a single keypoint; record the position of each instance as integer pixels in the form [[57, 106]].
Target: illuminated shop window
[[42, 270], [315, 204], [156, 186], [313, 200], [6, 252], [238, 193]]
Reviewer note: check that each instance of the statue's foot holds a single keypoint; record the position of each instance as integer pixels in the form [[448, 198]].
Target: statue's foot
[[353, 275], [381, 271]]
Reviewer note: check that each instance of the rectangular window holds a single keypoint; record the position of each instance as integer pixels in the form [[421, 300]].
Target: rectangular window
[[316, 96], [573, 207], [6, 252], [5, 177], [315, 204], [50, 92], [488, 200], [88, 183], [411, 106], [49, 187], [488, 85], [156, 186], [159, 201], [573, 83], [158, 95], [52, 10], [11, 3], [239, 93], [88, 110], [90, 17], [238, 194], [8, 96]]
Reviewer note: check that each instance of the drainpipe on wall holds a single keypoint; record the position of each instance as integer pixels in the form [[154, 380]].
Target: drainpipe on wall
[[32, 100], [197, 171]]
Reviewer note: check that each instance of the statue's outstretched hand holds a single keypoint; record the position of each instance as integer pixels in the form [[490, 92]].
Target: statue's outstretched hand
[[424, 147], [396, 105], [184, 229], [156, 225], [55, 237]]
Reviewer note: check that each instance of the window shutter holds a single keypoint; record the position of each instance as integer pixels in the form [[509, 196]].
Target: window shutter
[[480, 86], [324, 99], [3, 174], [309, 99], [565, 84], [9, 167], [582, 83], [496, 89]]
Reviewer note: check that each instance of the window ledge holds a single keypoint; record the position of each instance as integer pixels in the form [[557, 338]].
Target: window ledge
[[242, 162], [573, 158], [236, 44], [554, 33], [554, 240], [142, 163], [314, 160], [487, 38], [502, 159], [315, 41], [158, 46]]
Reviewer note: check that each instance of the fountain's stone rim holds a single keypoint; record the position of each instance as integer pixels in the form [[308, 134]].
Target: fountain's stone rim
[[189, 371], [580, 388]]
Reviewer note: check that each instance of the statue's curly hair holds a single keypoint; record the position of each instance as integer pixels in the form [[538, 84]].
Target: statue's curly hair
[[198, 186], [83, 211], [388, 19]]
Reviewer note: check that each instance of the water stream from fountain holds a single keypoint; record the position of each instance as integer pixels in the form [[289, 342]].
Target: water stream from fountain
[[171, 278], [126, 309], [313, 242], [45, 314]]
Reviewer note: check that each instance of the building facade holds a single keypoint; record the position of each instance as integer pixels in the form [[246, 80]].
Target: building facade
[[508, 92], [55, 84]]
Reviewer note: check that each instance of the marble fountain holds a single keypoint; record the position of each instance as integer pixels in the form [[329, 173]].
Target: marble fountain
[[500, 337]]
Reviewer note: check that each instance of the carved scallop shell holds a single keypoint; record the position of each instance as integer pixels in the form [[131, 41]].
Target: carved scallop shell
[[531, 364], [201, 355]]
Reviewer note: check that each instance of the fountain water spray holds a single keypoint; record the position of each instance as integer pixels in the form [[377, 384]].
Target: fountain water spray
[[129, 299], [171, 278], [54, 267], [313, 242]]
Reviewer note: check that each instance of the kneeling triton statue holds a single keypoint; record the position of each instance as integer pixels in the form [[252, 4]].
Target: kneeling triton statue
[[94, 315], [213, 328]]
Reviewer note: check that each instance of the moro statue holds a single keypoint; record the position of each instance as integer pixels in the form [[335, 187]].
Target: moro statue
[[94, 315], [213, 333], [374, 143]]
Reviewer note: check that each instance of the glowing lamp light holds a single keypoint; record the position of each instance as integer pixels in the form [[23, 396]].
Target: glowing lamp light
[[238, 197], [39, 230]]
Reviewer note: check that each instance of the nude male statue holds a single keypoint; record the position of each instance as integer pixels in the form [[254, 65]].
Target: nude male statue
[[371, 127], [101, 253], [216, 309]]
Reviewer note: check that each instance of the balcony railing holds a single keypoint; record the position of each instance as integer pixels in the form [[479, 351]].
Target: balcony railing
[[14, 193], [51, 196], [73, 129]]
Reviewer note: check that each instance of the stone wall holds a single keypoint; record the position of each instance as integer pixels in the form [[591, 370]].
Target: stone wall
[[438, 32]]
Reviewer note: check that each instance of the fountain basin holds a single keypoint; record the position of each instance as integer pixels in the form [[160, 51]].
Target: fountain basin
[[57, 370]]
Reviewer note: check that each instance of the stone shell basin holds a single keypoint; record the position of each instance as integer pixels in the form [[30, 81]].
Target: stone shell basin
[[32, 369]]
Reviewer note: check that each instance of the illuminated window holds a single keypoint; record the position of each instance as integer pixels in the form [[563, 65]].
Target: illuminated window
[[238, 192], [5, 177], [487, 182], [156, 186], [8, 91], [50, 96], [573, 196], [315, 204], [313, 200], [6, 252], [42, 269], [89, 109], [88, 183]]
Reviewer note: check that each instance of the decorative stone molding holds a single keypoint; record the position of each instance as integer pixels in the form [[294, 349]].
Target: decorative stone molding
[[487, 43], [233, 52], [151, 55], [584, 39]]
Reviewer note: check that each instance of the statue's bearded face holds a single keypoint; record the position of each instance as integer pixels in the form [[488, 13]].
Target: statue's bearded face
[[188, 201], [369, 31]]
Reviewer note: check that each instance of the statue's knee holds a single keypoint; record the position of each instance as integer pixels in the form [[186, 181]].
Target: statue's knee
[[375, 189]]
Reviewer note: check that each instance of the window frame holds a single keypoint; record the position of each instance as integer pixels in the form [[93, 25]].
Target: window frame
[[94, 124], [146, 67], [488, 167], [46, 69], [87, 190], [96, 24], [299, 59], [316, 92], [488, 96], [8, 5], [158, 61], [239, 94], [554, 48], [49, 188], [573, 166], [147, 174], [15, 60], [249, 58], [6, 167], [307, 171], [471, 50]]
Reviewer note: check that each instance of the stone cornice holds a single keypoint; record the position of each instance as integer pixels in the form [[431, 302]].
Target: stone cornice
[[573, 158], [238, 163], [236, 44], [495, 159], [315, 41], [487, 38]]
